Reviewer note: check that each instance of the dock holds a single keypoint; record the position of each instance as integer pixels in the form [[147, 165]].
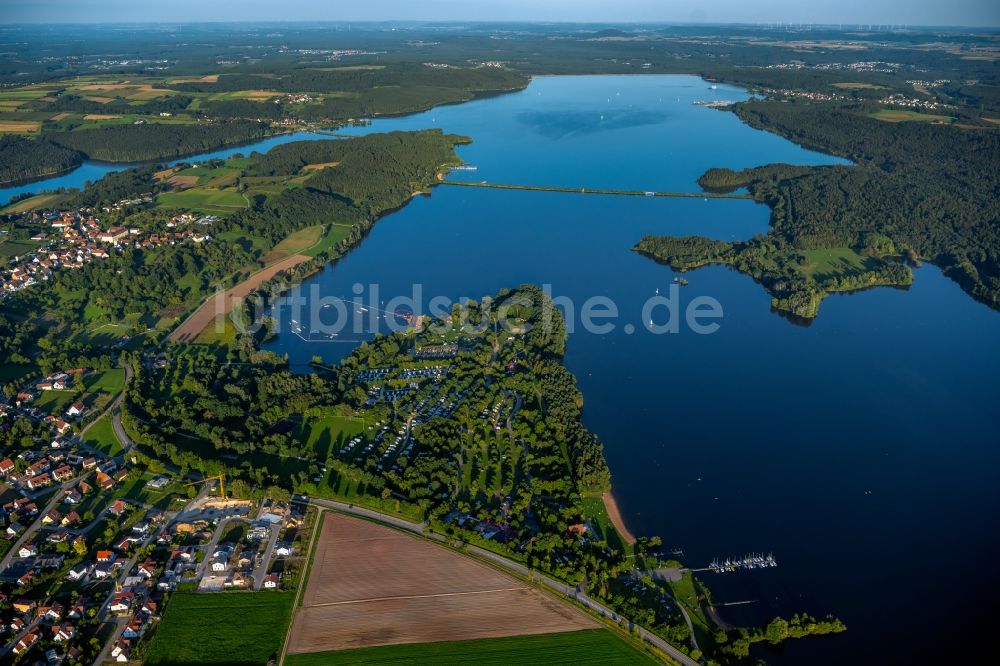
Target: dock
[[586, 190]]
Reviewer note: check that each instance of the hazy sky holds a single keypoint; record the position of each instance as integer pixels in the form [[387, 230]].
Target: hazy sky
[[913, 12]]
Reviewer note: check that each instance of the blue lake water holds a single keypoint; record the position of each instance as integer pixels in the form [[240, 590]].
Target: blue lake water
[[92, 170], [861, 450]]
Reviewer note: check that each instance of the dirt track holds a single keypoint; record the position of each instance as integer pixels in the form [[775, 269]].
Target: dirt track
[[370, 585], [222, 304]]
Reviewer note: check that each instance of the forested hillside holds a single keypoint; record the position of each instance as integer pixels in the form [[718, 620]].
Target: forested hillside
[[152, 141], [918, 191], [22, 158]]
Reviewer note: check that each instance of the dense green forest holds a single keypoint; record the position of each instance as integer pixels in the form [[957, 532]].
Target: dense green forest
[[153, 141], [917, 190], [361, 79], [22, 158]]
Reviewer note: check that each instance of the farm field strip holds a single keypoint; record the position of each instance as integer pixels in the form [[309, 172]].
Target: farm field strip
[[370, 585]]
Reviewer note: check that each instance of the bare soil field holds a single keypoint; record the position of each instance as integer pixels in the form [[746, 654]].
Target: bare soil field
[[370, 585], [208, 78], [319, 165], [222, 304], [19, 126], [100, 116]]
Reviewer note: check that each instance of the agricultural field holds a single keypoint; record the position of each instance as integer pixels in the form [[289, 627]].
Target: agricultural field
[[905, 115], [31, 203], [19, 126], [15, 248], [382, 587], [206, 200], [856, 85], [234, 628], [294, 243], [592, 646]]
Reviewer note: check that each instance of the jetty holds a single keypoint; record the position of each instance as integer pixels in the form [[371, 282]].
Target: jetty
[[747, 562], [587, 190]]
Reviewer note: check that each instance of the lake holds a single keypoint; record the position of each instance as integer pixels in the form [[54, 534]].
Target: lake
[[93, 170], [860, 450]]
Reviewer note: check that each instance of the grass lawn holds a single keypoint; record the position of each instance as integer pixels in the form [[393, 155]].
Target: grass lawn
[[904, 115], [222, 628], [109, 381], [334, 234], [204, 200], [322, 434], [686, 594], [597, 515], [101, 436], [595, 646], [836, 262]]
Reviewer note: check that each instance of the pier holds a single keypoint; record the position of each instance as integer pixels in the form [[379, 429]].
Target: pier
[[747, 562], [586, 190]]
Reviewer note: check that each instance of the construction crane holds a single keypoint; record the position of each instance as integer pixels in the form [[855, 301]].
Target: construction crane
[[221, 478]]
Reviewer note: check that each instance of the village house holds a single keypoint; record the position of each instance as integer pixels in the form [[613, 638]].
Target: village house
[[26, 642], [121, 602], [271, 582], [121, 650], [62, 633], [24, 606], [6, 466], [62, 473]]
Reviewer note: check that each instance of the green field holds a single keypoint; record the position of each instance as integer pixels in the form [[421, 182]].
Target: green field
[[101, 436], [595, 646], [323, 433], [223, 628], [597, 515], [206, 200], [334, 234], [903, 115], [836, 262], [31, 203], [15, 248], [294, 243]]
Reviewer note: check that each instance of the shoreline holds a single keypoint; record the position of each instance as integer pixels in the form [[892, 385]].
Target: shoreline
[[614, 514]]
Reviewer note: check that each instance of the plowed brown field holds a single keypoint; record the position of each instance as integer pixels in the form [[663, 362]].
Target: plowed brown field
[[371, 585]]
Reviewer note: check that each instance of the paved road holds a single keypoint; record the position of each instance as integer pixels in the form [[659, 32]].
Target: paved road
[[37, 524], [116, 414], [121, 622], [265, 559], [516, 567]]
